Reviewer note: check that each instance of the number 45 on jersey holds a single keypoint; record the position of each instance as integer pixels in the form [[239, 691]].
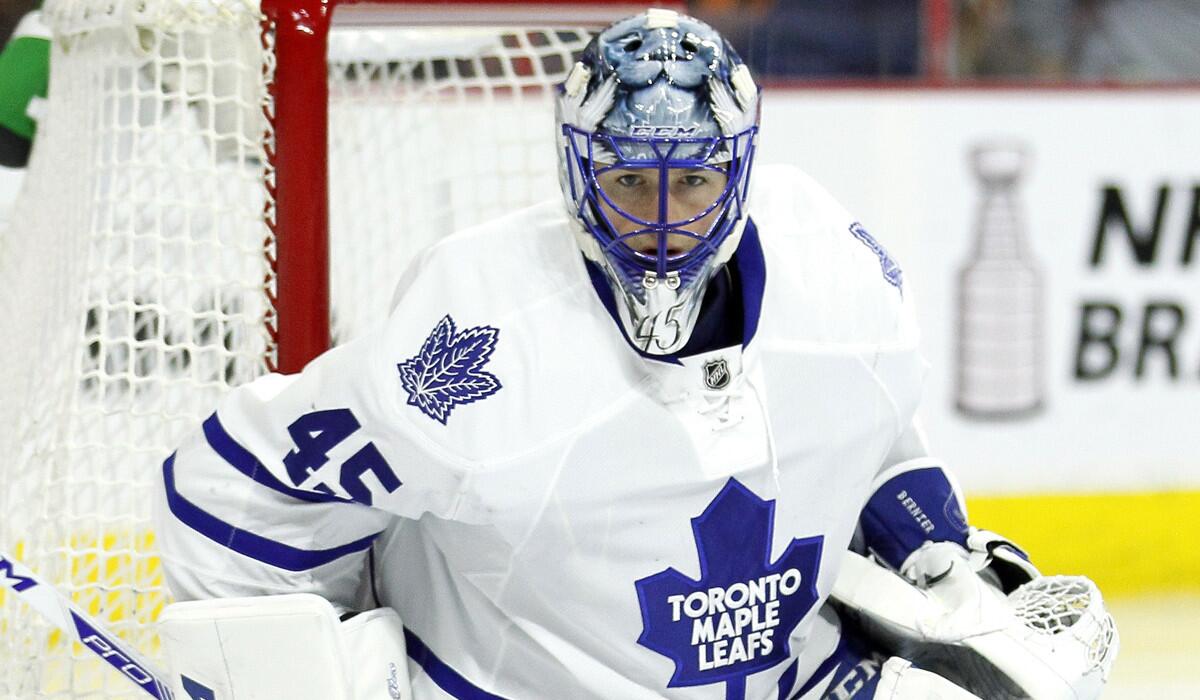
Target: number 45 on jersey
[[315, 435]]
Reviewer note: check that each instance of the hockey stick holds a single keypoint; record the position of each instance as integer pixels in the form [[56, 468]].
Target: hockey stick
[[65, 615]]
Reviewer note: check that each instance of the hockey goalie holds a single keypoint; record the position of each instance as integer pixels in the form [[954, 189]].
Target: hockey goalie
[[657, 443]]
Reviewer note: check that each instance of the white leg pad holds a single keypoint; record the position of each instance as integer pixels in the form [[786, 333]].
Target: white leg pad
[[374, 642], [287, 646]]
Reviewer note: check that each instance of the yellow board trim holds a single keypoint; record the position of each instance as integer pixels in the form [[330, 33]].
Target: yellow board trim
[[1128, 543]]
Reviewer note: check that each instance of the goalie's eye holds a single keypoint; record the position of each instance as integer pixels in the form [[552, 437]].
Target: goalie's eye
[[631, 180], [693, 180]]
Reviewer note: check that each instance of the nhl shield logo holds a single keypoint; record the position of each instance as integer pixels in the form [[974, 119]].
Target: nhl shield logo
[[716, 374]]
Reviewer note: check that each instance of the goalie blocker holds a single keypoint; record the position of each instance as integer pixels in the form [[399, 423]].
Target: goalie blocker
[[286, 646]]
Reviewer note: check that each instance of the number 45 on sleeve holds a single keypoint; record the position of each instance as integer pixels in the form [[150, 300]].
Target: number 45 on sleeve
[[315, 435]]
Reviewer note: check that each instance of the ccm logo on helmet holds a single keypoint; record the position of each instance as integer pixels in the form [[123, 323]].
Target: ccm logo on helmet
[[665, 132]]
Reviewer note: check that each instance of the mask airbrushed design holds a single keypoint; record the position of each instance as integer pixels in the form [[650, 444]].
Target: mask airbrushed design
[[657, 124]]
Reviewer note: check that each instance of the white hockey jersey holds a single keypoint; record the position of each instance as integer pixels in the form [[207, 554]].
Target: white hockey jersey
[[552, 514]]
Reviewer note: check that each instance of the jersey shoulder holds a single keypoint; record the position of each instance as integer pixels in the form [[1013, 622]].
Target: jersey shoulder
[[830, 278], [496, 343], [499, 265]]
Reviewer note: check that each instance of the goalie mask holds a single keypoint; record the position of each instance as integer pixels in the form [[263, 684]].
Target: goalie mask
[[657, 130]]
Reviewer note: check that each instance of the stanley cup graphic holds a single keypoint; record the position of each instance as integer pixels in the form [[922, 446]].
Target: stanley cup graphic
[[1000, 360]]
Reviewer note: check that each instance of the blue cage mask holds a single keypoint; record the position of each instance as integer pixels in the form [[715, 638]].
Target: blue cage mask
[[657, 125]]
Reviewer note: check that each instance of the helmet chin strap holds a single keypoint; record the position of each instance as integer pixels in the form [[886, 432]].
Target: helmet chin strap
[[662, 320]]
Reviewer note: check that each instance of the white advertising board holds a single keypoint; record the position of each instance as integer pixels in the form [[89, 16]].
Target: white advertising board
[[1052, 242]]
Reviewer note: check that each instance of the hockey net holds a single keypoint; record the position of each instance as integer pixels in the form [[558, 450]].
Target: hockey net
[[142, 274]]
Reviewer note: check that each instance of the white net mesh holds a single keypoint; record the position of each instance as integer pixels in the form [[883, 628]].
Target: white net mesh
[[134, 276], [470, 111]]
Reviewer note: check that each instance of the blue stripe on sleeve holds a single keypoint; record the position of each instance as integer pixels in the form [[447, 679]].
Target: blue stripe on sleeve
[[246, 543], [440, 673], [245, 462]]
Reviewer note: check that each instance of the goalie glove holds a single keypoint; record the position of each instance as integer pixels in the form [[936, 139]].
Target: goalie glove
[[1003, 563], [996, 559], [1050, 639]]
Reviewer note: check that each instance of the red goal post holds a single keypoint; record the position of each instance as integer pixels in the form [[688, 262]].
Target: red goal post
[[214, 186], [300, 30]]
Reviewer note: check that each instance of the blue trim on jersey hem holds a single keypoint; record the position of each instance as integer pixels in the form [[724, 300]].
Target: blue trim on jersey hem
[[245, 462], [441, 673], [846, 661], [246, 543], [787, 681], [823, 671]]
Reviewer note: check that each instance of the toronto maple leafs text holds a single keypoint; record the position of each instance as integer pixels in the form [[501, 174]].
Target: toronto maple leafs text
[[735, 623]]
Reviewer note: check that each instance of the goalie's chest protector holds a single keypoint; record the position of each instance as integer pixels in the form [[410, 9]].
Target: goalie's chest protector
[[634, 528]]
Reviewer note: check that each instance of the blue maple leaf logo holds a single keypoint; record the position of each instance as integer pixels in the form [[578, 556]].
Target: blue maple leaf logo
[[447, 372], [736, 619]]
